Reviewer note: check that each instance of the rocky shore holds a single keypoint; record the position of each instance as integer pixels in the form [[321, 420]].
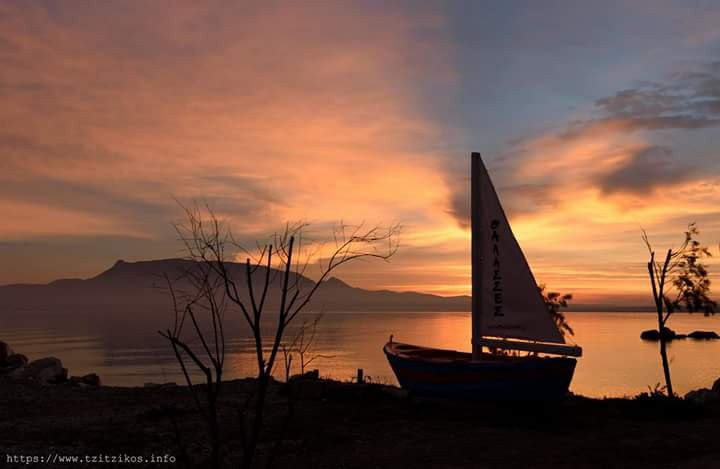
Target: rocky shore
[[350, 425], [43, 371]]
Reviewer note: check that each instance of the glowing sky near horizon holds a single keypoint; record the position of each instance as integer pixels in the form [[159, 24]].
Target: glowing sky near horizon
[[594, 118]]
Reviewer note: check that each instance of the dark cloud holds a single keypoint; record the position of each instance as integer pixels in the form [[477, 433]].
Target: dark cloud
[[645, 170], [516, 198], [31, 172], [87, 197], [249, 187], [526, 198], [633, 102], [689, 100], [25, 154], [459, 204]]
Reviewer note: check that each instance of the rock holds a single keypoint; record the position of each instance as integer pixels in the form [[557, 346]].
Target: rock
[[653, 334], [4, 351], [704, 335], [308, 388], [45, 370], [702, 395], [170, 384], [395, 393], [78, 383], [85, 381], [669, 334], [311, 375], [91, 379], [716, 386], [16, 360]]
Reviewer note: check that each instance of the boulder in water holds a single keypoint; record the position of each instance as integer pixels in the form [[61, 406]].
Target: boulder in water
[[652, 334], [704, 335]]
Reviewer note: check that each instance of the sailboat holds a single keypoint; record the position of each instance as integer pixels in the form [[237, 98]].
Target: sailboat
[[517, 350]]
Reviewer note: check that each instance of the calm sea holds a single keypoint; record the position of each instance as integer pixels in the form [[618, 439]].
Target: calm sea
[[615, 361]]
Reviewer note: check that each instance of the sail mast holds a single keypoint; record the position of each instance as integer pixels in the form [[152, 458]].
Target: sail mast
[[476, 229]]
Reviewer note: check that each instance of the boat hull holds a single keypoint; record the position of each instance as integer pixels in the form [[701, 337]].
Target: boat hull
[[423, 370]]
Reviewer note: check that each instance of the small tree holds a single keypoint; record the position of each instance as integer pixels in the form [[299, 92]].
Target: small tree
[[279, 267], [679, 280], [554, 302]]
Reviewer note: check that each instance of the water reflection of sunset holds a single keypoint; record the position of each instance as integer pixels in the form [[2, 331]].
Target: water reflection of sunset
[[351, 341]]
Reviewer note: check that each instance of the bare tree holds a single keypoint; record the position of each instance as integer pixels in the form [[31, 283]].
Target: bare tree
[[287, 352], [279, 267], [679, 280], [204, 299], [302, 344]]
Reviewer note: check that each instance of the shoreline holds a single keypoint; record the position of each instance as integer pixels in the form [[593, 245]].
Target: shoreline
[[336, 424]]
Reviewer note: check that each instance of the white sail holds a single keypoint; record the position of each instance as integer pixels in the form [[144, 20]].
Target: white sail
[[509, 304]]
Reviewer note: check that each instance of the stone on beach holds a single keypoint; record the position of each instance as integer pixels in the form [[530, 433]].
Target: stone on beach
[[91, 379], [16, 360], [5, 351], [313, 374], [45, 370], [170, 384], [702, 395]]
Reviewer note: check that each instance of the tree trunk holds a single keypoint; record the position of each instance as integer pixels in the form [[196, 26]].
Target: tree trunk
[[658, 285], [256, 426], [214, 434], [666, 365]]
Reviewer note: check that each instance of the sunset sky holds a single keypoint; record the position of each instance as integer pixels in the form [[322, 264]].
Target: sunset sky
[[594, 119]]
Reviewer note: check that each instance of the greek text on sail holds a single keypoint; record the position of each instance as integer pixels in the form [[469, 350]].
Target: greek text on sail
[[497, 275]]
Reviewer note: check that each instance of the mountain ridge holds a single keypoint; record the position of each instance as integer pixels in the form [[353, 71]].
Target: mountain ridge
[[141, 282]]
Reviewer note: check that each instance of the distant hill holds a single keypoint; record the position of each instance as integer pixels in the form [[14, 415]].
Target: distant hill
[[128, 286], [141, 286]]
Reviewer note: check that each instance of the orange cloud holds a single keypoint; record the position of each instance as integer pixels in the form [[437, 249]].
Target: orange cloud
[[270, 114], [276, 113], [580, 237]]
